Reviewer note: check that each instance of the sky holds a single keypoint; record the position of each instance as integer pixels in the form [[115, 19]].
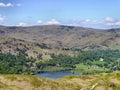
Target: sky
[[87, 13]]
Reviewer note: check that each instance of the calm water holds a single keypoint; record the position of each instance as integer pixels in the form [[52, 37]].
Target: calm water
[[55, 75]]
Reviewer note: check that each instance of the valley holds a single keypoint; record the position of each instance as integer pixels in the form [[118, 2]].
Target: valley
[[58, 52], [59, 45], [26, 51]]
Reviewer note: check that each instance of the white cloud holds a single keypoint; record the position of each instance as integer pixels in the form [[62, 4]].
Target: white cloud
[[39, 22], [22, 24], [9, 4], [89, 21], [53, 22], [2, 18], [6, 5], [109, 19], [111, 22], [117, 23]]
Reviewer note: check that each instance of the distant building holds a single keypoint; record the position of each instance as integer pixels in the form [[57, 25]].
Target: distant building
[[101, 59]]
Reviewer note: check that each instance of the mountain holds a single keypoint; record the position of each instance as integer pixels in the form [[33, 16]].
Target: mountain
[[65, 37]]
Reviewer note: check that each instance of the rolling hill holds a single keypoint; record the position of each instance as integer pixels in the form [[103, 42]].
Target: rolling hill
[[33, 41], [70, 37]]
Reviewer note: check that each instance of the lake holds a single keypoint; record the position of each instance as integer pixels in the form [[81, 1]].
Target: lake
[[55, 75]]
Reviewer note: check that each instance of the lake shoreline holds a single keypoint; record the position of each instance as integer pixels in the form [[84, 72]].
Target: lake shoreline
[[58, 74]]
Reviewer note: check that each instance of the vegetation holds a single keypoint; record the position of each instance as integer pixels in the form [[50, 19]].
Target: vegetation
[[57, 63], [104, 81], [87, 62], [43, 46], [84, 69], [11, 64], [100, 59]]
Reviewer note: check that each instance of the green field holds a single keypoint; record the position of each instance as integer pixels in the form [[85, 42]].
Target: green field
[[84, 69]]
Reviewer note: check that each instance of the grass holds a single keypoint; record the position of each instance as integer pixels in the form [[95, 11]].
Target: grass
[[29, 82], [2, 85], [35, 82], [10, 77], [98, 63], [89, 69], [106, 81]]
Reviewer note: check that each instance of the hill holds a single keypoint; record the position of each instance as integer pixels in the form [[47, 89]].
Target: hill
[[65, 37], [88, 82], [29, 49]]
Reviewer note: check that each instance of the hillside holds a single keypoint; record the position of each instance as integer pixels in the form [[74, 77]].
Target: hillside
[[70, 37], [29, 49], [88, 82]]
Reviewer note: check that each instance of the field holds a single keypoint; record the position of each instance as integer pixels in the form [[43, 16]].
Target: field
[[84, 69]]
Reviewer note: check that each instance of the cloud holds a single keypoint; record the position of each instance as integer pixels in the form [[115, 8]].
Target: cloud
[[111, 22], [109, 19], [22, 24], [6, 5], [40, 22], [117, 23], [53, 22], [2, 18], [106, 22], [9, 4], [89, 21]]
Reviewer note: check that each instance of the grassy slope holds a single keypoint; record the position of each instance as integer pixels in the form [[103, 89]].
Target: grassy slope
[[14, 46], [24, 82], [88, 82], [89, 70]]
